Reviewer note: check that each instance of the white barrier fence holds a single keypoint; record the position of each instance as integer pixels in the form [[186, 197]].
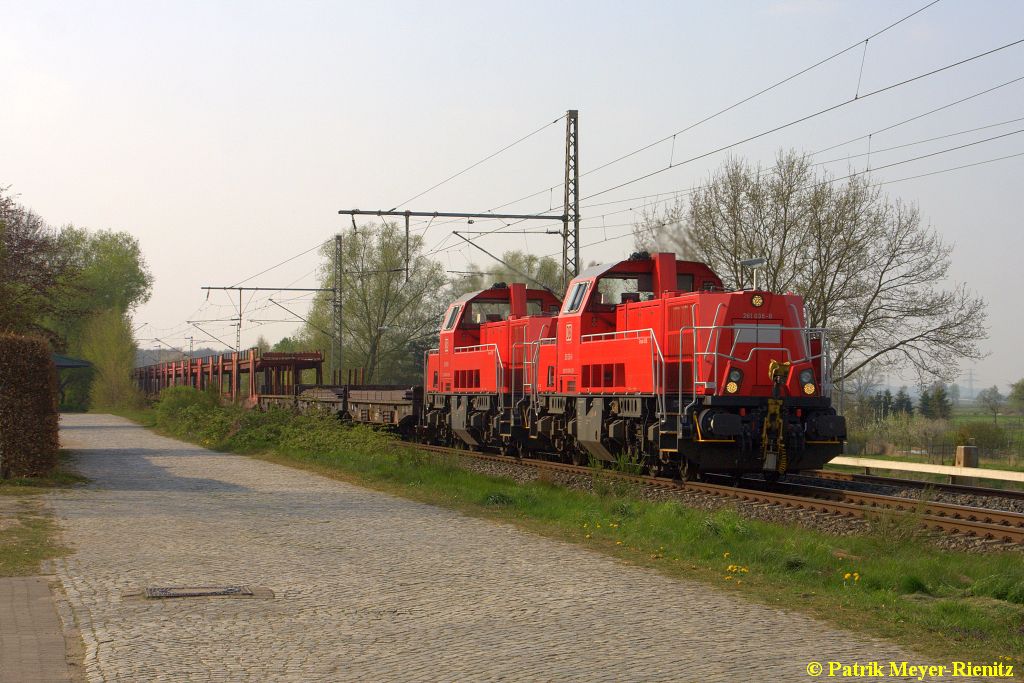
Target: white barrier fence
[[952, 470]]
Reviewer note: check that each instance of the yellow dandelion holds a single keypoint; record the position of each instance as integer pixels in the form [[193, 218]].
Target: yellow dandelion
[[587, 536], [729, 576], [726, 554], [618, 542], [846, 576], [856, 576], [745, 570]]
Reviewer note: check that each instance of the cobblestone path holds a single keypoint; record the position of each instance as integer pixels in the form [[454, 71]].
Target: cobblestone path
[[371, 587]]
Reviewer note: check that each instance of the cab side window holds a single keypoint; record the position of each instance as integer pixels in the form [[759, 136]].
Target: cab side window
[[452, 317], [575, 299]]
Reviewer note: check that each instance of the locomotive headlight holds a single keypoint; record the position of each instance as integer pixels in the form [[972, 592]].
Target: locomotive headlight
[[807, 376], [757, 301], [809, 389], [732, 387], [735, 375]]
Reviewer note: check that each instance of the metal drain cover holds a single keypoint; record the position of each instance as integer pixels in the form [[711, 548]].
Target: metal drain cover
[[195, 591]]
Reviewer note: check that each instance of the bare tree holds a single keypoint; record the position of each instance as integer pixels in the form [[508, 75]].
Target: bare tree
[[866, 266], [991, 400], [664, 230]]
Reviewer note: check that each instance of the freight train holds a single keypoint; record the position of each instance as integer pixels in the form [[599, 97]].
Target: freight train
[[648, 363]]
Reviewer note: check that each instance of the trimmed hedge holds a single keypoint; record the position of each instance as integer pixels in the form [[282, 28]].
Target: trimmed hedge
[[28, 408]]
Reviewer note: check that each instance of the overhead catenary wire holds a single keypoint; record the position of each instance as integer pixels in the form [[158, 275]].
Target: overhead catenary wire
[[807, 117], [481, 161], [278, 265], [922, 115], [763, 91], [727, 109], [921, 142], [865, 136], [673, 195]]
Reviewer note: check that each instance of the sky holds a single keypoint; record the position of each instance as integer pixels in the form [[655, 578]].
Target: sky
[[225, 136]]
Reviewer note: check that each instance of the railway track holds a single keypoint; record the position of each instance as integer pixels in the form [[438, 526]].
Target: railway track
[[995, 525], [1013, 494]]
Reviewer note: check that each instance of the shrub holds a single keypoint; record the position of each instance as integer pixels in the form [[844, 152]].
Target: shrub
[[28, 408], [982, 434]]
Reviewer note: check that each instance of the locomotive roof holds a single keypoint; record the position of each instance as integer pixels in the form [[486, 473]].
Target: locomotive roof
[[634, 266], [503, 294]]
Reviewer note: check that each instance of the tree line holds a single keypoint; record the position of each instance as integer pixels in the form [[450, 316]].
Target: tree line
[[76, 289]]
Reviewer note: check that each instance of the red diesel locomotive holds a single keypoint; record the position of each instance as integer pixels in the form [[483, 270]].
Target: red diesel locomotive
[[646, 363]]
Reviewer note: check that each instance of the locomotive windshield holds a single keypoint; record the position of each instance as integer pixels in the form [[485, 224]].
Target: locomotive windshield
[[619, 288], [613, 289], [484, 311]]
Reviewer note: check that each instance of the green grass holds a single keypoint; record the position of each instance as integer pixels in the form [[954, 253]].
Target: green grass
[[28, 534], [888, 583]]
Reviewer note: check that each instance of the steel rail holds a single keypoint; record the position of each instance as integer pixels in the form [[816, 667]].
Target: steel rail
[[1015, 494]]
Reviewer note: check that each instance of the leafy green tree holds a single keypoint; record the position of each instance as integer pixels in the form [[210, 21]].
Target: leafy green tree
[[111, 279], [107, 343], [1016, 397], [901, 404], [388, 321], [535, 271], [991, 401], [941, 404], [926, 404], [111, 270], [35, 273], [57, 284], [290, 345]]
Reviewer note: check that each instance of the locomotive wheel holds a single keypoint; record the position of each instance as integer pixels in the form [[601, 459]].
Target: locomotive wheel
[[689, 472]]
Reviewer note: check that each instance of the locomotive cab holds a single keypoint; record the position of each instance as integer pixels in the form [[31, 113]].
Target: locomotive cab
[[481, 370]]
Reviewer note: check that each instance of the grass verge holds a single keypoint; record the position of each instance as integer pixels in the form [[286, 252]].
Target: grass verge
[[28, 533], [895, 585]]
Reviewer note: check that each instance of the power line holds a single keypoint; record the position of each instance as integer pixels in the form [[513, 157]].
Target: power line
[[919, 142], [807, 117], [947, 170], [760, 92], [678, 193], [919, 116], [486, 158], [726, 109], [932, 154], [439, 248], [278, 265]]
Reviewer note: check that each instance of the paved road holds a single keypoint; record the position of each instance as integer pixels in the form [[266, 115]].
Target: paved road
[[372, 587]]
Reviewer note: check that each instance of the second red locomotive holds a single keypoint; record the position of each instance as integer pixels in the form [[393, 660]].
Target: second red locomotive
[[647, 363]]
